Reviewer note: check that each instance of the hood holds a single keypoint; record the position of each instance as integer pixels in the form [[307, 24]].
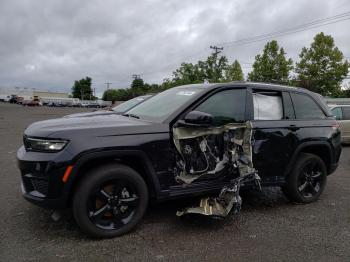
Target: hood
[[89, 114], [94, 125]]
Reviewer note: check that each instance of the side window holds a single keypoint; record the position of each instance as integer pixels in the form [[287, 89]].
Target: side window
[[226, 106], [337, 113], [305, 107], [267, 105], [346, 112]]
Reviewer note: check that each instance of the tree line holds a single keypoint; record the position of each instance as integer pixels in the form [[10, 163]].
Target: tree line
[[321, 68]]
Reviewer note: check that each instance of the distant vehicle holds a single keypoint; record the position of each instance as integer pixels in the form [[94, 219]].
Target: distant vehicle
[[84, 105], [342, 115], [55, 104], [127, 105], [119, 109], [13, 99], [30, 103], [5, 98]]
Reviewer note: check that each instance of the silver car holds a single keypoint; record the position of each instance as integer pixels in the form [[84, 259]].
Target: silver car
[[342, 115]]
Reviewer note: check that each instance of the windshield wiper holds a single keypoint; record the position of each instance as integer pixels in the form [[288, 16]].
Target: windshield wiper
[[132, 115]]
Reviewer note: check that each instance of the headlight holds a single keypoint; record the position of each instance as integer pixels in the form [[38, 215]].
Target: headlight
[[44, 145]]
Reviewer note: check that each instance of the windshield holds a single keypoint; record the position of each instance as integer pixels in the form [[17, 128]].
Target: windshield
[[125, 106], [161, 106]]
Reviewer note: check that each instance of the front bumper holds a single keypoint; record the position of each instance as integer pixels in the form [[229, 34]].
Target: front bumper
[[41, 176], [49, 203]]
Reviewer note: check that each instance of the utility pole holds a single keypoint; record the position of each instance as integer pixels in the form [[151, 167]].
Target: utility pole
[[217, 49], [134, 76], [108, 84], [215, 54]]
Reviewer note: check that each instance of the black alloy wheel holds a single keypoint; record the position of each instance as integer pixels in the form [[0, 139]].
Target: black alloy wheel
[[113, 205], [310, 180], [307, 180], [110, 201]]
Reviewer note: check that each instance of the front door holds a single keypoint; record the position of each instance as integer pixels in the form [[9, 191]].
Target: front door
[[203, 152]]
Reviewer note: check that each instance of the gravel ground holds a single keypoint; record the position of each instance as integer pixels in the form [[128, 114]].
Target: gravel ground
[[269, 228]]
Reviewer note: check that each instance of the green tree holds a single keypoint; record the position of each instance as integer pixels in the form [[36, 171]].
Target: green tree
[[137, 83], [213, 69], [234, 72], [187, 73], [322, 67], [271, 65], [82, 89]]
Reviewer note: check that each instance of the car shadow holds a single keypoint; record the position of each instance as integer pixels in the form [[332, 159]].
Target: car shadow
[[43, 225]]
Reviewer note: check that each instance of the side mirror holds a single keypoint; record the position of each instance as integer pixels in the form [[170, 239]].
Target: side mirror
[[198, 118]]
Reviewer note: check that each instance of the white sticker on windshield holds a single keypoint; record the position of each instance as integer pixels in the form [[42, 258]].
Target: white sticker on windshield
[[185, 93]]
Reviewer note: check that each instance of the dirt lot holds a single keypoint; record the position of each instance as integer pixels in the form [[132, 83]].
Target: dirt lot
[[269, 228]]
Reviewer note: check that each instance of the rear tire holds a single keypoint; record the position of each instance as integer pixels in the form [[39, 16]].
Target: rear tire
[[307, 180], [110, 201]]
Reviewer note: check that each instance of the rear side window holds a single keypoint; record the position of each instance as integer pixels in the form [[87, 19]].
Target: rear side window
[[267, 106], [346, 113], [337, 113], [306, 108], [226, 106]]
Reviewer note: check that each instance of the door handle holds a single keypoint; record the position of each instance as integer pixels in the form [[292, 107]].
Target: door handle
[[293, 128]]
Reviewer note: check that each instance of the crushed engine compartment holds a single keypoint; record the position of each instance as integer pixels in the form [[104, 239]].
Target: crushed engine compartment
[[210, 153]]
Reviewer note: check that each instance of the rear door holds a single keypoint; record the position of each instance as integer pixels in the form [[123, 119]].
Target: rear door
[[274, 135]]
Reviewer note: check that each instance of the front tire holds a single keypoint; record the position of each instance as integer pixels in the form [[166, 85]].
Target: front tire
[[307, 180], [110, 201]]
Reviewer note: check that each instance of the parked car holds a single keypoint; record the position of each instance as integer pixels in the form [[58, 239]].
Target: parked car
[[127, 105], [13, 99], [5, 98], [119, 109], [31, 103], [342, 115], [186, 141]]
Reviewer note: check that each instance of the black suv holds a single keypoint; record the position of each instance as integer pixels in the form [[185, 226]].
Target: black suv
[[189, 140]]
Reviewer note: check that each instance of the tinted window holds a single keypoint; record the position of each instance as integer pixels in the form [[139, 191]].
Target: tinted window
[[226, 106], [337, 113], [306, 108], [346, 113]]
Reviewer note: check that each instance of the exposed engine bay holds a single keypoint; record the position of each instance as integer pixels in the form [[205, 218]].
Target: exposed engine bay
[[206, 153]]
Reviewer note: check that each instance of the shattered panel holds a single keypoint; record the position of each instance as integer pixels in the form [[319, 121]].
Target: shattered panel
[[214, 151], [207, 153]]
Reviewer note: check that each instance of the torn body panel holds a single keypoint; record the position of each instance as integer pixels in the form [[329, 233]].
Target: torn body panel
[[212, 152]]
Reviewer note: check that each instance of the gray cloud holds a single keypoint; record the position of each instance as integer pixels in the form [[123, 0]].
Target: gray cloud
[[49, 44]]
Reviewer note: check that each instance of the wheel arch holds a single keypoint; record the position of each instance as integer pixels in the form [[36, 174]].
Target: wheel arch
[[320, 148], [134, 159]]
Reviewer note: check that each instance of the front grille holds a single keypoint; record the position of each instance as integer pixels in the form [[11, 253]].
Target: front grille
[[40, 185]]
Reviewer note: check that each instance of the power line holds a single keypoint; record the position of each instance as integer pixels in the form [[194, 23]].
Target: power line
[[248, 40], [299, 28]]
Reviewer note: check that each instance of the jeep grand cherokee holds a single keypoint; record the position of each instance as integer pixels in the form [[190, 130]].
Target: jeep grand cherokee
[[188, 140]]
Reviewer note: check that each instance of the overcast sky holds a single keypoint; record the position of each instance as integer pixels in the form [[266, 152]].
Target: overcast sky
[[48, 44]]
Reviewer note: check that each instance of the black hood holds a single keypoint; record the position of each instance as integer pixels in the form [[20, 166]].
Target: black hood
[[89, 114], [94, 125]]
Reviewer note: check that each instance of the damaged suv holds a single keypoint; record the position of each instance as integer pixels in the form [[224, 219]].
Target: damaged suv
[[202, 139]]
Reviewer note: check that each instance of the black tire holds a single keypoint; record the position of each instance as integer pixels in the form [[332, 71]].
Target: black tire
[[119, 191], [307, 180]]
